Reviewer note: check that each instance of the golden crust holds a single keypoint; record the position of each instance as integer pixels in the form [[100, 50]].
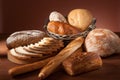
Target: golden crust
[[80, 18], [80, 62], [61, 28]]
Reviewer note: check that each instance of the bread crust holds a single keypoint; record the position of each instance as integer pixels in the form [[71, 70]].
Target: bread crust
[[103, 42], [56, 16], [80, 18], [21, 38], [80, 62], [61, 28]]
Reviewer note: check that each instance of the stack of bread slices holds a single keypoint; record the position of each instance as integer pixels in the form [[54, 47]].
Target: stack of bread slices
[[45, 48]]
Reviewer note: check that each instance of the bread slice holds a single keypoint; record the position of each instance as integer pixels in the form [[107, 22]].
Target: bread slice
[[46, 45], [36, 51], [45, 48], [19, 56], [22, 51], [18, 60]]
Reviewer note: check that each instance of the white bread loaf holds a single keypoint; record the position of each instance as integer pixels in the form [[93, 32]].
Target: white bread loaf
[[102, 41]]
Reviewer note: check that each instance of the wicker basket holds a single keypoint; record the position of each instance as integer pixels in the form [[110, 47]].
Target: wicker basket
[[71, 37]]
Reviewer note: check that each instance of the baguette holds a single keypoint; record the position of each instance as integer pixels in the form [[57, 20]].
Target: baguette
[[62, 55], [28, 67]]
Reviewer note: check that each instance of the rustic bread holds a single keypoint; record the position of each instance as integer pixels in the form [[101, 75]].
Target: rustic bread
[[103, 42], [21, 38], [80, 62]]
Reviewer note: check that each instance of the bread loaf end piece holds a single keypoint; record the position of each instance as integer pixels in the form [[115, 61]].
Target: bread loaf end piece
[[81, 62]]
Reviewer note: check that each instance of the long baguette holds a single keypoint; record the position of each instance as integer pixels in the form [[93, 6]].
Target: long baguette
[[58, 59], [28, 67]]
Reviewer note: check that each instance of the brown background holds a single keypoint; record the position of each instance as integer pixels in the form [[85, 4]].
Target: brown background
[[31, 14]]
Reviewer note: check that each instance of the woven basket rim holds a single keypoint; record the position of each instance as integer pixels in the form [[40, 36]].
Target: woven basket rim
[[69, 37]]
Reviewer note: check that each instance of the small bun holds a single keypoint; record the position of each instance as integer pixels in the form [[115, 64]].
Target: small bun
[[80, 18], [56, 16], [21, 38]]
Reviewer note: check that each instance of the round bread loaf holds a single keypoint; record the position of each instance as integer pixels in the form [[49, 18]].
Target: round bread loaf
[[80, 18], [25, 37], [103, 42]]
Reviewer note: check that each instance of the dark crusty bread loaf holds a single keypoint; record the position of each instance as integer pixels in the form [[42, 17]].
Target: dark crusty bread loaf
[[25, 37]]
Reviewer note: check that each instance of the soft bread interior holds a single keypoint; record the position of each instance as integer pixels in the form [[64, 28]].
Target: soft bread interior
[[45, 48]]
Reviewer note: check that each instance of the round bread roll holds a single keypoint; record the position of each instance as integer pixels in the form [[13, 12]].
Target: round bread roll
[[80, 18], [26, 37], [102, 41]]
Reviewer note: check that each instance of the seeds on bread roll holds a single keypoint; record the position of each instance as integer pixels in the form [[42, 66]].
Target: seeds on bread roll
[[25, 37]]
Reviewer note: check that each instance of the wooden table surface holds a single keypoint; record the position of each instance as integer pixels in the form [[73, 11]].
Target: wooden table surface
[[109, 71]]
